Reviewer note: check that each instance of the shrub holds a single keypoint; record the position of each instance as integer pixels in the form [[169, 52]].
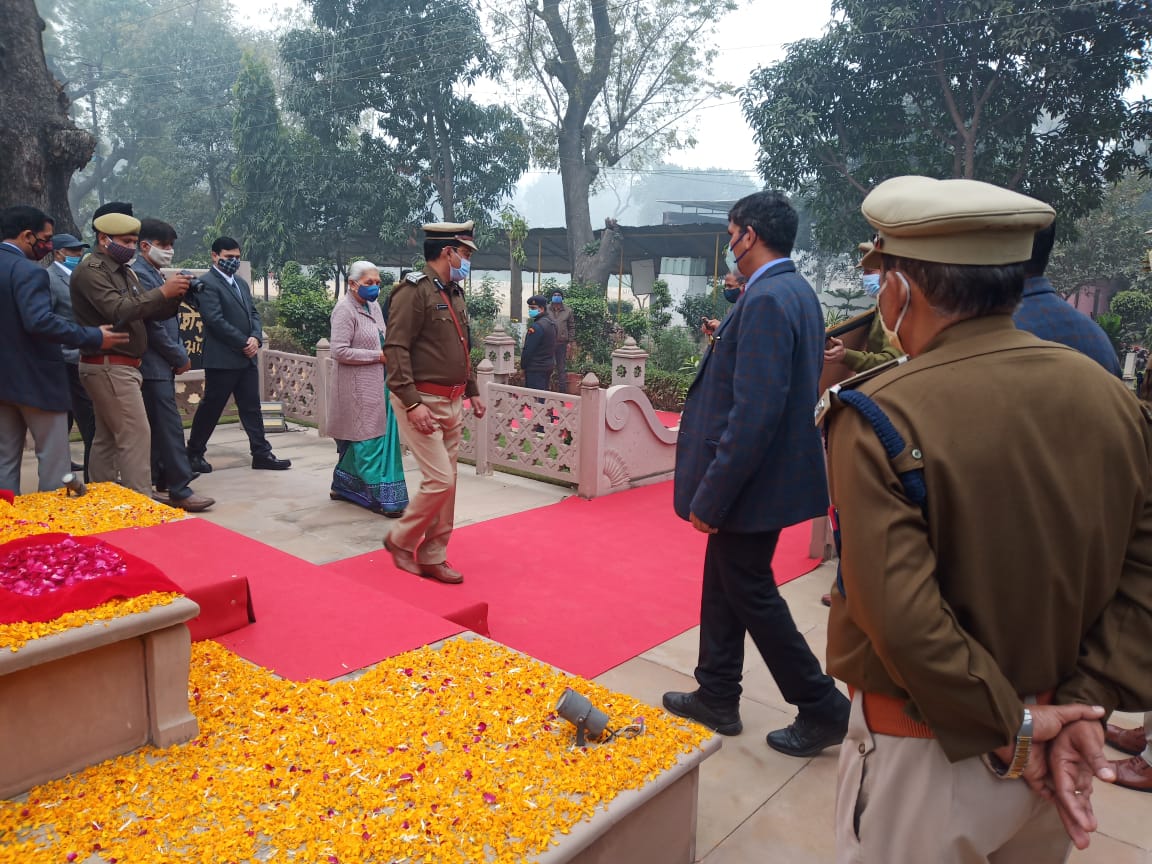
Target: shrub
[[666, 390], [675, 350], [304, 307], [269, 314], [594, 325], [280, 338], [634, 324]]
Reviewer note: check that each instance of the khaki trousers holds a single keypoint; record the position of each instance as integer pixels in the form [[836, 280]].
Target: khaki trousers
[[900, 801], [122, 448], [427, 523]]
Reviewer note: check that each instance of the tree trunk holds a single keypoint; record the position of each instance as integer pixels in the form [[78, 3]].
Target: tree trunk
[[40, 147], [577, 177], [516, 292]]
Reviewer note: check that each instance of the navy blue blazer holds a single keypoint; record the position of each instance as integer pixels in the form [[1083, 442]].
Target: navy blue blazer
[[230, 317], [31, 335], [749, 457]]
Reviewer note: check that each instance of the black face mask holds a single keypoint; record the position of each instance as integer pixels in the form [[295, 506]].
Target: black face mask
[[228, 265], [40, 248]]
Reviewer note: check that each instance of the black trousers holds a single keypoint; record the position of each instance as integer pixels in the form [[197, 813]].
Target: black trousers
[[169, 457], [740, 595], [82, 413], [560, 353], [219, 384]]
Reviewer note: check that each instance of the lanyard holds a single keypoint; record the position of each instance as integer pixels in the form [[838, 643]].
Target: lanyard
[[459, 330]]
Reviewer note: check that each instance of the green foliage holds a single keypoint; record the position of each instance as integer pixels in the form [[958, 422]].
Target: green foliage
[[619, 308], [666, 390], [1027, 94], [304, 307], [593, 322], [634, 324], [1113, 327], [457, 154], [483, 304], [268, 312], [1108, 246], [694, 307], [1135, 311], [675, 350], [659, 306], [282, 338]]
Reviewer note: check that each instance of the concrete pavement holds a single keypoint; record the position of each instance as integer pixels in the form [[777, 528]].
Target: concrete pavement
[[756, 805]]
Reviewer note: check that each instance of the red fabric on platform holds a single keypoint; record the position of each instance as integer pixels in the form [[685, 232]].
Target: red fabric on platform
[[584, 585], [310, 622], [141, 578]]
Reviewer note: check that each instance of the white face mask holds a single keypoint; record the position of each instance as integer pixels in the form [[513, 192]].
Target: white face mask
[[893, 334], [160, 257]]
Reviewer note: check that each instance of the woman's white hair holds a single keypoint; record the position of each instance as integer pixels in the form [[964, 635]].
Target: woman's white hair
[[359, 268]]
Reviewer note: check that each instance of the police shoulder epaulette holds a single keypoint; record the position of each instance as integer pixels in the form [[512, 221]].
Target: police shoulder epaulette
[[415, 276], [828, 398], [93, 261]]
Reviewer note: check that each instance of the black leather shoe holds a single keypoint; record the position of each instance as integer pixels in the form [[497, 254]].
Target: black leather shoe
[[198, 465], [808, 736], [77, 467], [688, 705], [270, 463]]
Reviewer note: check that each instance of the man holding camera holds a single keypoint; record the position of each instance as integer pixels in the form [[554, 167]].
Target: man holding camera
[[232, 333], [165, 358], [105, 288]]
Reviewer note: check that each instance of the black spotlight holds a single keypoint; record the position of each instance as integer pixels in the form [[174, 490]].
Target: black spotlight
[[581, 713]]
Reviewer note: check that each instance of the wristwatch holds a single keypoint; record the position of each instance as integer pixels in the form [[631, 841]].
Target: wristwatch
[[1015, 768]]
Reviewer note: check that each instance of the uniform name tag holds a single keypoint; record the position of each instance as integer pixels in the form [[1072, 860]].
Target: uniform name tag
[[441, 307]]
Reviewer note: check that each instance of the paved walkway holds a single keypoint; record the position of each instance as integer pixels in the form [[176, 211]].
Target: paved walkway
[[756, 805]]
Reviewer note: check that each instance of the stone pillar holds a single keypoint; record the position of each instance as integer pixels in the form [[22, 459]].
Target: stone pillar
[[484, 377], [628, 364], [500, 351], [167, 656], [323, 351], [593, 409]]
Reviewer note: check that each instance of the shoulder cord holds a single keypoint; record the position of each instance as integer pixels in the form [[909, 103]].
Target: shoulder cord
[[894, 444]]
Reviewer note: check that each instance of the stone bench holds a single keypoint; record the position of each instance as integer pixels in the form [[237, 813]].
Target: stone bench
[[76, 698]]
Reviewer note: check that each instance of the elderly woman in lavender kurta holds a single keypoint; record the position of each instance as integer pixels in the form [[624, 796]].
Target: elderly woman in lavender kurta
[[370, 472]]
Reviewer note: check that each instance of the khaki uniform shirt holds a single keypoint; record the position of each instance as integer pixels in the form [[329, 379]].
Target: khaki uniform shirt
[[877, 350], [422, 343], [1030, 568], [104, 292]]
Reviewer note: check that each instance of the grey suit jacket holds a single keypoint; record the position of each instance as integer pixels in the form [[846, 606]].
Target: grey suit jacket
[[230, 318], [165, 351], [62, 305]]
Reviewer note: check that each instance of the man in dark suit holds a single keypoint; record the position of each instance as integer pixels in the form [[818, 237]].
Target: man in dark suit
[[232, 334], [164, 358], [749, 463], [67, 252], [34, 386]]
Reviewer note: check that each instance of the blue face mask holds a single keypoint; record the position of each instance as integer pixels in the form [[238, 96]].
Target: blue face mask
[[368, 292], [871, 283], [70, 261], [533, 313], [732, 294], [460, 274], [732, 258], [556, 298]]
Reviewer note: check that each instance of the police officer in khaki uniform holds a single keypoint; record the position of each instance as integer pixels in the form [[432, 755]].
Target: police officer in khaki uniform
[[995, 570], [104, 288], [429, 374]]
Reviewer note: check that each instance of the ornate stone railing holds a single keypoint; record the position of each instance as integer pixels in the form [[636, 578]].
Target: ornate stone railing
[[532, 431], [295, 381]]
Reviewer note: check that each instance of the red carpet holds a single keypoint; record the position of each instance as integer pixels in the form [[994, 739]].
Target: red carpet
[[310, 622], [583, 585]]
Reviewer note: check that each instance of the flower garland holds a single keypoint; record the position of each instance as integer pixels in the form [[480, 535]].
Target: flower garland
[[16, 636], [106, 507], [449, 754]]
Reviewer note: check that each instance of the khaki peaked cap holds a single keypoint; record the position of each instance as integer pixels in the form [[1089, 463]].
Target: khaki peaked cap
[[458, 231], [116, 224], [952, 221]]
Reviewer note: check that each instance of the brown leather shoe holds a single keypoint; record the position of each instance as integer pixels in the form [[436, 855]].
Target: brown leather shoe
[[1133, 773], [403, 559], [442, 573], [1132, 741], [193, 503]]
